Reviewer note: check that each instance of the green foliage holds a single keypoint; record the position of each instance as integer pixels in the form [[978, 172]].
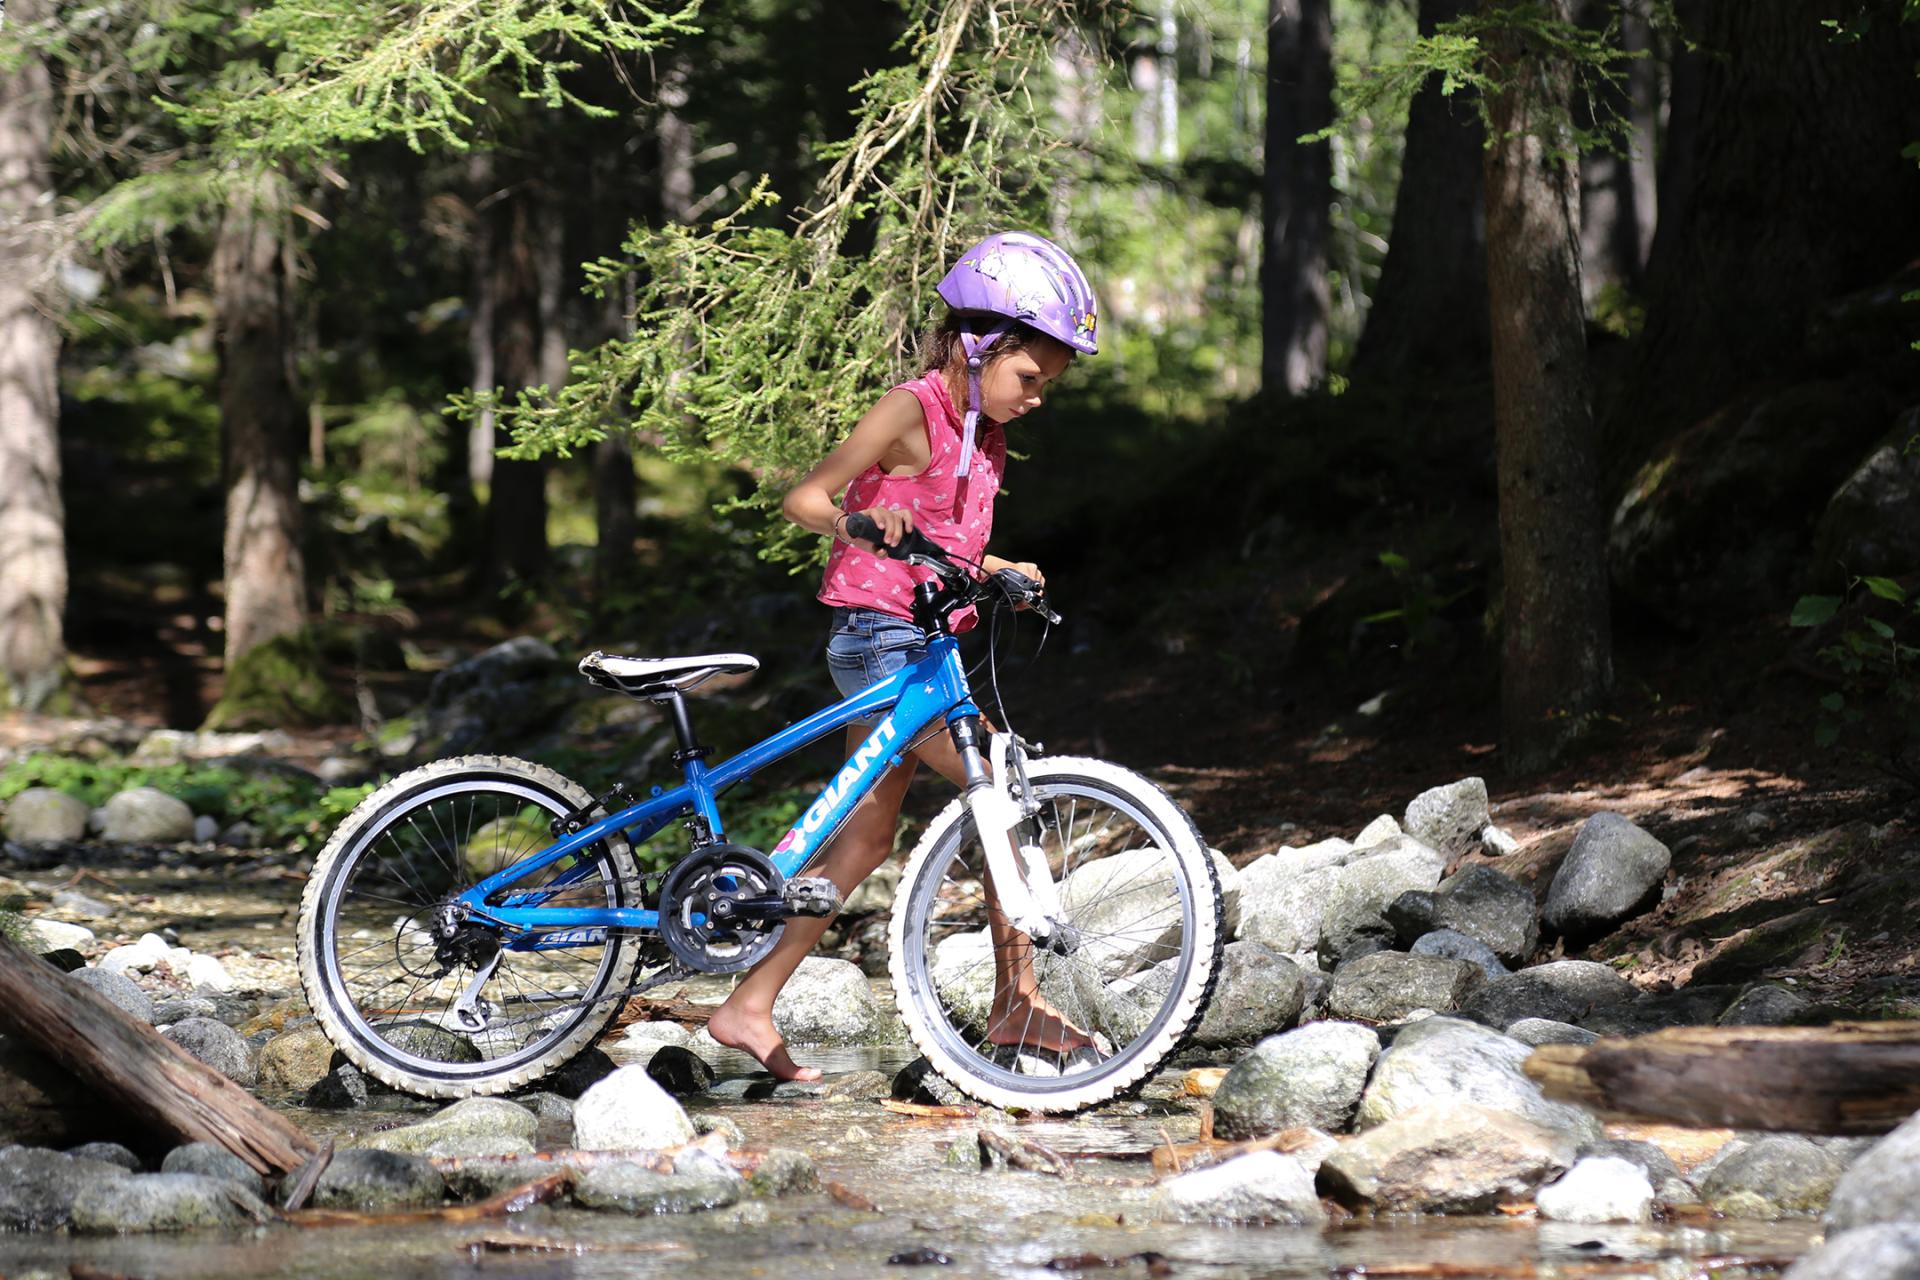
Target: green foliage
[[345, 72], [291, 809], [1421, 601], [1872, 657], [277, 684]]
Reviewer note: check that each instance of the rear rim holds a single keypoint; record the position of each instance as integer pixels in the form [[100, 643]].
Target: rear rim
[[378, 950], [1132, 900]]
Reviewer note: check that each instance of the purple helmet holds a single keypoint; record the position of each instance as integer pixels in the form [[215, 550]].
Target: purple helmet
[[1027, 278]]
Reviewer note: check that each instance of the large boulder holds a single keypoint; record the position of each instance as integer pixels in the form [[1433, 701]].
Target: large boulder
[[41, 815], [164, 1202], [1355, 920], [1883, 1185], [210, 1161], [1311, 1076], [627, 1111], [366, 1179], [1773, 1176], [1388, 985], [1872, 523], [146, 815], [1446, 1061], [1282, 902], [296, 1060], [1449, 818], [1447, 1158], [219, 1046], [1612, 871], [504, 692], [1257, 993], [830, 1002], [1890, 1251], [1481, 903], [38, 1187], [1264, 1186], [1562, 991]]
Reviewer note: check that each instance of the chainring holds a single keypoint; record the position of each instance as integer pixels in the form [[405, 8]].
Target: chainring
[[695, 921]]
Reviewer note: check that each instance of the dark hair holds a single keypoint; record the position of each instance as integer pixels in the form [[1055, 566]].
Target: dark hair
[[941, 349]]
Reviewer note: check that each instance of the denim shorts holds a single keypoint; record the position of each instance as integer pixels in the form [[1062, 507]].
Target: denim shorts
[[866, 646]]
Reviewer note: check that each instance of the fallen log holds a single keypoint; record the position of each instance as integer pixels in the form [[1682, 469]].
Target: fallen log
[[140, 1070], [1849, 1078]]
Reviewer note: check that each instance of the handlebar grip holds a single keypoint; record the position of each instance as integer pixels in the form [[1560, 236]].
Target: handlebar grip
[[913, 542], [863, 526]]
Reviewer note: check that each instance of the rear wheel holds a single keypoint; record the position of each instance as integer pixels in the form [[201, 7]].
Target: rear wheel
[[450, 1013], [1142, 903]]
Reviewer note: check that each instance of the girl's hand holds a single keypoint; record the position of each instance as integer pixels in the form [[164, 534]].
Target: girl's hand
[[894, 522], [992, 564]]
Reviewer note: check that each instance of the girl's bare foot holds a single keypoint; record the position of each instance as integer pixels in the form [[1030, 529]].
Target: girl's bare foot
[[1028, 1020], [754, 1034]]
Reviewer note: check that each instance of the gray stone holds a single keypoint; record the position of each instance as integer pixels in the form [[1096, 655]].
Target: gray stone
[[1411, 914], [478, 1179], [1612, 871], [1774, 1176], [1695, 1006], [146, 815], [579, 1073], [206, 973], [829, 1002], [86, 906], [219, 1046], [342, 1089], [1481, 903], [1381, 829], [107, 1153], [180, 1008], [1258, 992], [368, 1179], [1388, 985], [1539, 1031], [470, 1127], [158, 1202], [119, 989], [240, 835], [1598, 1189], [1766, 1005], [636, 1189], [1311, 1076], [547, 1107], [294, 1061], [38, 1187], [782, 1172], [1448, 1061], [1449, 818], [1448, 1158], [1870, 524], [41, 815], [679, 1071], [210, 1161], [1890, 1251], [919, 1082], [1883, 1185], [1355, 919], [651, 1033], [628, 1111], [45, 936], [1565, 991], [1281, 905], [424, 1040], [1449, 945], [1264, 1186]]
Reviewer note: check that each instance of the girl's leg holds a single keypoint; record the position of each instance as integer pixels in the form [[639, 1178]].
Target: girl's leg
[[745, 1021]]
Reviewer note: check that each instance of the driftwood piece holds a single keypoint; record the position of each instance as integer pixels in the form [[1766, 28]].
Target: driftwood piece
[[510, 1201], [1169, 1158], [138, 1069], [1850, 1078]]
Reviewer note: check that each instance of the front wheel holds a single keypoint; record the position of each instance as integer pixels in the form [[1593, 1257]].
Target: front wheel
[[1064, 1027]]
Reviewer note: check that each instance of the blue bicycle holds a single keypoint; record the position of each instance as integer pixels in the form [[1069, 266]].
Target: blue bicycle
[[477, 922]]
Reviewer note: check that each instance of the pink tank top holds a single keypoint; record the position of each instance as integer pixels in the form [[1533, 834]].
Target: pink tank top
[[956, 513]]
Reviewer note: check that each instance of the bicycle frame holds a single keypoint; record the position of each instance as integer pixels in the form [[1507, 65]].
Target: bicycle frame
[[934, 688]]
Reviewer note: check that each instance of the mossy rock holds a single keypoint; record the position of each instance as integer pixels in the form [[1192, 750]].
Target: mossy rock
[[278, 684]]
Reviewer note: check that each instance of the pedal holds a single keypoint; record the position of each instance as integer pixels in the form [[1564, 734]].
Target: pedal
[[812, 896]]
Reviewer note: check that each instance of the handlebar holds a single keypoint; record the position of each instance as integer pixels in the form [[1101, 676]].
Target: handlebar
[[915, 547]]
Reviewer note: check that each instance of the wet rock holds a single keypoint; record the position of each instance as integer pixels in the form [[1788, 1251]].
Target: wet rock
[[1380, 830], [1448, 1061], [1388, 985], [479, 1179], [782, 1172], [1355, 919], [107, 1153], [1447, 1158], [209, 1161], [38, 1187], [710, 1122], [119, 989], [493, 696], [919, 1082], [294, 1061], [580, 1073], [1449, 818], [470, 1127], [45, 935], [372, 1180], [1449, 945], [1766, 1005], [1481, 903], [424, 1040], [219, 1046], [856, 1086], [1258, 992], [628, 1110], [547, 1107], [156, 1202], [679, 1071], [635, 1189], [1262, 1187], [1890, 1251], [1598, 1189], [180, 1008], [649, 1033], [146, 815], [829, 1002], [1310, 1076], [1777, 1175], [41, 815], [1539, 1031], [1613, 871], [1281, 906], [1883, 1185], [1565, 991]]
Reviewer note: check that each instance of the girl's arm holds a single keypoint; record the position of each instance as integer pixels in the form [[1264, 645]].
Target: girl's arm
[[885, 434]]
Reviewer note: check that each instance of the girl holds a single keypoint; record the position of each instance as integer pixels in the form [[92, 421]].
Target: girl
[[1020, 309]]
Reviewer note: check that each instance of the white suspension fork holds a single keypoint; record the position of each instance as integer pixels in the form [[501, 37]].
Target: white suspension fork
[[1022, 881]]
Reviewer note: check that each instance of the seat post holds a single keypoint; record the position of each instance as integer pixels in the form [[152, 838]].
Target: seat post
[[690, 748]]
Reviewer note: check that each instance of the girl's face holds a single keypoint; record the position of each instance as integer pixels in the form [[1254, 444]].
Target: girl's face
[[1012, 385]]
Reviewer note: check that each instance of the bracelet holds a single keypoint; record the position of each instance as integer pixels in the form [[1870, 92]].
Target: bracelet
[[838, 536]]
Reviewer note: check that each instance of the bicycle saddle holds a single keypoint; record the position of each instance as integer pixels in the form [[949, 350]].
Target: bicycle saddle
[[656, 677]]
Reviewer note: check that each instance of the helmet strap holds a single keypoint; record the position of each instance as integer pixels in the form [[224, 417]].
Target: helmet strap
[[975, 346]]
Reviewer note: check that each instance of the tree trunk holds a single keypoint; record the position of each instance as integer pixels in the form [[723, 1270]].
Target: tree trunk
[[1557, 653], [261, 427], [517, 505], [1429, 312], [1793, 191], [1298, 195], [1617, 196], [33, 548], [480, 315]]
